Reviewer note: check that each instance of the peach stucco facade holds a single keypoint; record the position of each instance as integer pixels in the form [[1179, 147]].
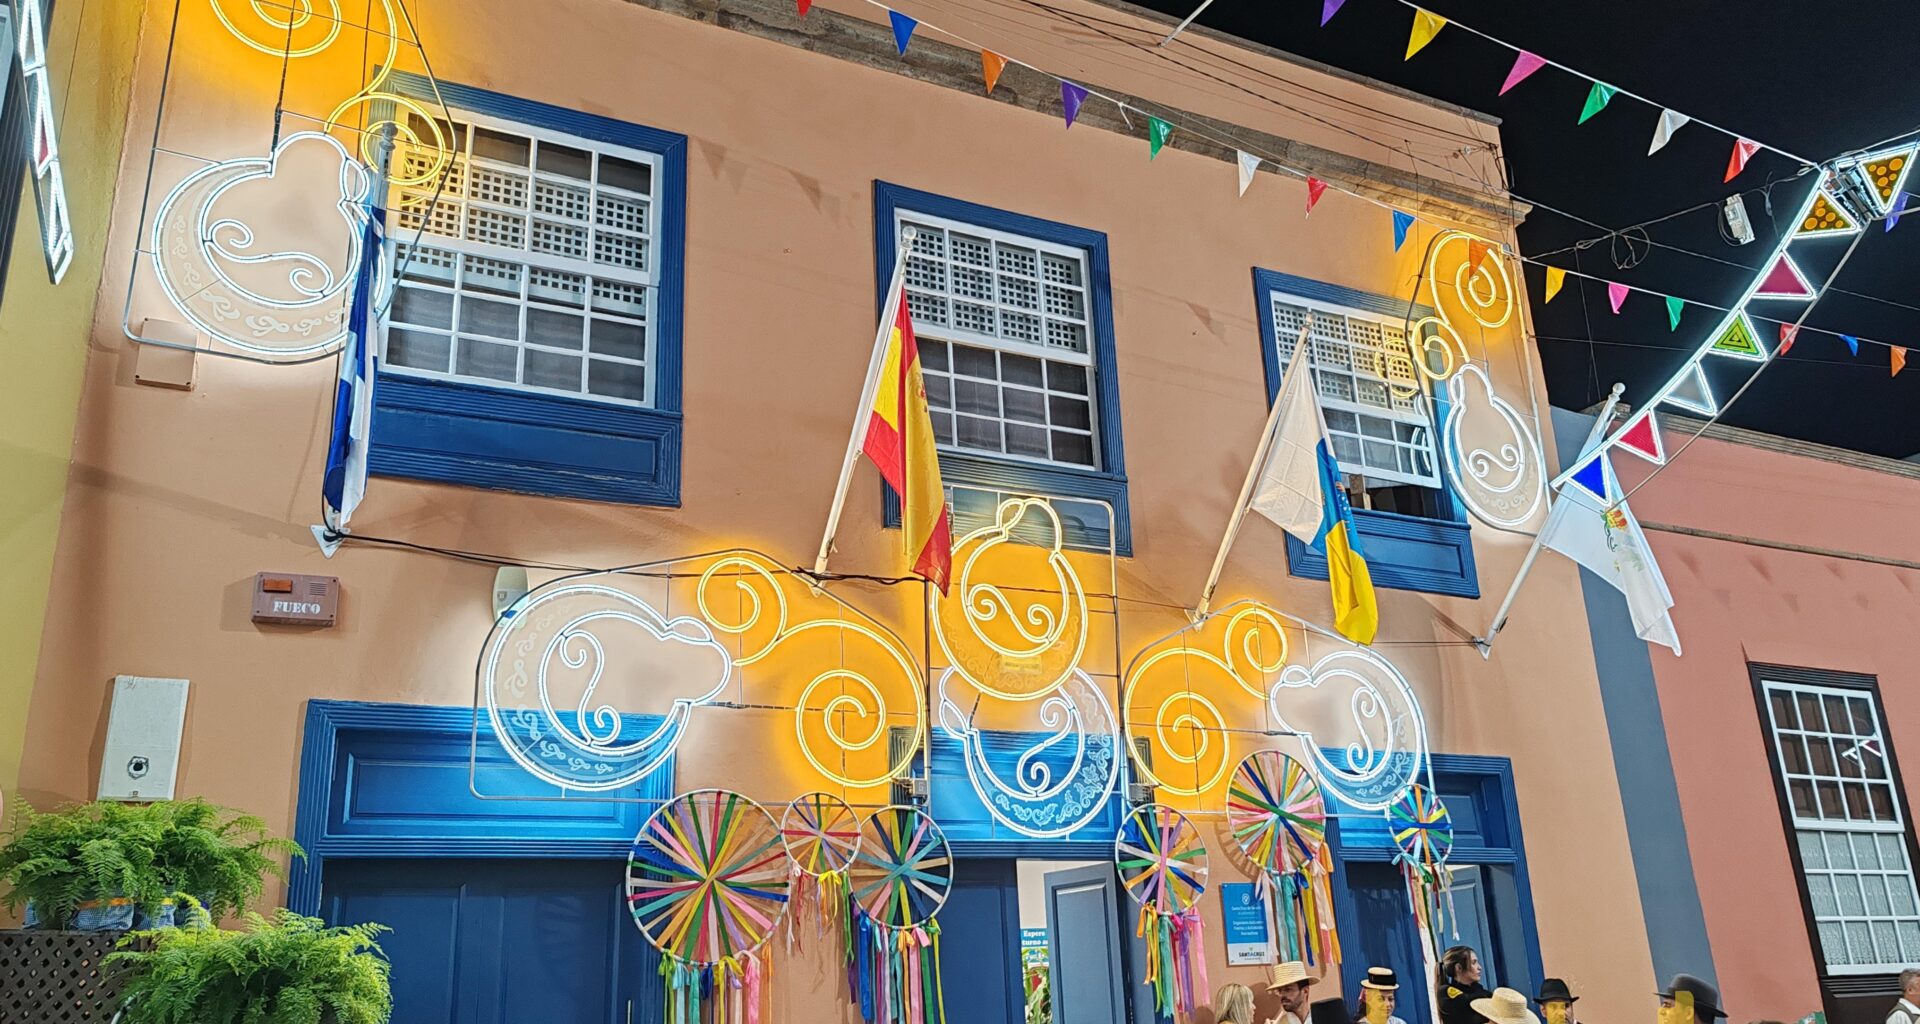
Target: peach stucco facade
[[176, 499]]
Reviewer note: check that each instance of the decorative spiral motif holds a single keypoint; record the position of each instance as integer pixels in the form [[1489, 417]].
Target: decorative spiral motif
[[1276, 813], [822, 834], [903, 870], [1063, 779], [1161, 859], [1503, 486], [1484, 293], [1014, 644], [1189, 737], [707, 877], [1388, 747], [288, 29]]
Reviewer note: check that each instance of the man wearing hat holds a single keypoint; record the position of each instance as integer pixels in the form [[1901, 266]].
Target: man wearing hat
[[1377, 996], [1289, 981], [1706, 998], [1556, 1001], [1505, 1006]]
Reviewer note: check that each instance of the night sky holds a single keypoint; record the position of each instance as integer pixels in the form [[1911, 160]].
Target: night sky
[[1816, 79]]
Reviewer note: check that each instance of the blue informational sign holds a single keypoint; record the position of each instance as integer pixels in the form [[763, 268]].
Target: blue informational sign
[[1249, 936], [1033, 946]]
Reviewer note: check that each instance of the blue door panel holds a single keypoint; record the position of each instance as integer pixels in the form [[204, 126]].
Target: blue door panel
[[1383, 934], [980, 944], [1084, 944]]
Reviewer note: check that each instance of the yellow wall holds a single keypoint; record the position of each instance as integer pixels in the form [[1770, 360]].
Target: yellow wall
[[44, 329]]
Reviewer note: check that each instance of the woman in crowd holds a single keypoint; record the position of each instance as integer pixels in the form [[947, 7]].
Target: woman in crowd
[[1233, 1004], [1459, 985]]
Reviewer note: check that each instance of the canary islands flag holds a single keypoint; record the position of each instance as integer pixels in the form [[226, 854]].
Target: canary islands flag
[[900, 442], [1354, 613]]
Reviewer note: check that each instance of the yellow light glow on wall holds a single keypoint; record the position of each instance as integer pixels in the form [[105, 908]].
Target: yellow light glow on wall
[[1165, 699], [1016, 643]]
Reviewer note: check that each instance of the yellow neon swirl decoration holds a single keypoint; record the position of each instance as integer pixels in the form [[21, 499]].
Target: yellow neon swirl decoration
[[1047, 641], [1485, 293], [285, 18]]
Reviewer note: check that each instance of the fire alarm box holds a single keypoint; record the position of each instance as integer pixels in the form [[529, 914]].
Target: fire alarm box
[[288, 599]]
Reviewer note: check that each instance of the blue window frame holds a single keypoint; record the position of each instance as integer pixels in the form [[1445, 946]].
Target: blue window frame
[[1103, 478], [617, 436], [1404, 552]]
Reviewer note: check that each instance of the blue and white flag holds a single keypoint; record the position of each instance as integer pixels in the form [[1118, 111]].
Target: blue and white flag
[[346, 480]]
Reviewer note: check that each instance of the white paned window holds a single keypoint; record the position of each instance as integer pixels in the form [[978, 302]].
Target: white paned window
[[1373, 400], [536, 269], [1832, 757], [1005, 330]]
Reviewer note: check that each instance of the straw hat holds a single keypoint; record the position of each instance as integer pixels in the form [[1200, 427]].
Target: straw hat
[[1381, 978], [1290, 973], [1505, 1006]]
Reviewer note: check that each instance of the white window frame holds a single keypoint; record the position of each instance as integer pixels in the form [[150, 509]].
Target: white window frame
[[1820, 828], [962, 336], [398, 235], [1423, 420]]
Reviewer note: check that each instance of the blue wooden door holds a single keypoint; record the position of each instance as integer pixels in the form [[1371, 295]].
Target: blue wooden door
[[1084, 943], [980, 944], [500, 941], [1470, 922], [1384, 935]]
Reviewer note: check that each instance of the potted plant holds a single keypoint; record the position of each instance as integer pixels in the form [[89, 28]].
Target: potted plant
[[287, 970], [112, 866]]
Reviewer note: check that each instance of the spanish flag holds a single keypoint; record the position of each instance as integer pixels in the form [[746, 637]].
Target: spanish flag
[[900, 443]]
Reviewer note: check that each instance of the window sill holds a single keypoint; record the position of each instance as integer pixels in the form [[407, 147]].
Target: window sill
[[450, 432], [1086, 524], [1431, 556]]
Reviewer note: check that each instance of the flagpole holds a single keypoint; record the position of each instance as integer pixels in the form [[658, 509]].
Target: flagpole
[[861, 412], [1239, 515], [1600, 426]]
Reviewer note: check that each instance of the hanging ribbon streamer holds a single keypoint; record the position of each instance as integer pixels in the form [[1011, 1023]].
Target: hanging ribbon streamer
[[1423, 831], [1278, 818], [1163, 865]]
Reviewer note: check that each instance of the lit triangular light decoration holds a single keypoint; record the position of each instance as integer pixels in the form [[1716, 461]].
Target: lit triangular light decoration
[[1642, 438], [1591, 477], [1692, 392], [1738, 341], [1886, 173], [1827, 219], [1784, 281]]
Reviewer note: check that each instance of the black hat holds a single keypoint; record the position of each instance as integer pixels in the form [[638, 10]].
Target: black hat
[[1328, 1011], [1553, 990], [1381, 978], [1706, 998]]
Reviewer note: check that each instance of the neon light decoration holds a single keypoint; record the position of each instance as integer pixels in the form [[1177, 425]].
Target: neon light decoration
[[1479, 287], [43, 143], [1506, 486], [1163, 865], [1008, 652], [273, 303], [1279, 821], [564, 716], [1828, 218], [1390, 749], [841, 714], [1423, 831], [1784, 280], [290, 28], [1188, 735], [1080, 727]]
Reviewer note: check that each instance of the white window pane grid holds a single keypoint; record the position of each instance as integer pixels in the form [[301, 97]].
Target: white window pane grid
[[1853, 846], [1370, 394], [1009, 403], [535, 272], [982, 287]]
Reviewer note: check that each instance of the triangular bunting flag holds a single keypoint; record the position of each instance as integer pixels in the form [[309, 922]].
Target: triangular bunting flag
[[804, 5], [1827, 218], [1158, 132], [903, 27], [1426, 25], [1555, 278], [1887, 173], [1674, 305], [1899, 357], [1691, 392], [1329, 8], [1853, 343], [1401, 222], [1524, 64], [1738, 341], [1248, 165], [1315, 189], [1784, 281], [1591, 476], [1787, 333], [1670, 122], [1743, 149], [1899, 207], [1616, 294], [1642, 438], [1597, 99], [1071, 96], [1477, 254], [991, 64]]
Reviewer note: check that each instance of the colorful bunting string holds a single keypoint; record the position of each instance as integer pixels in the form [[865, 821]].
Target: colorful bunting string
[[1853, 343], [1597, 99], [1670, 121], [1071, 96], [1743, 150], [1157, 133], [1555, 278], [1787, 333], [805, 6], [1329, 8], [991, 64], [1898, 357], [1616, 294], [903, 27], [1249, 165], [1315, 189], [1674, 306], [1899, 207], [1426, 25], [1401, 222], [1524, 64]]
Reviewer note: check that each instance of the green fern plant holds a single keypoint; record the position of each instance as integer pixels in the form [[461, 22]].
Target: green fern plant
[[287, 970], [219, 856]]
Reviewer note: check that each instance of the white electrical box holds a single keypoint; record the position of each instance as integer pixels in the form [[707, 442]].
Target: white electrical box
[[142, 759]]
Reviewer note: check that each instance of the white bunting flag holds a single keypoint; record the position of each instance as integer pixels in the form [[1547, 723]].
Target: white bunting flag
[[1248, 165], [1670, 122]]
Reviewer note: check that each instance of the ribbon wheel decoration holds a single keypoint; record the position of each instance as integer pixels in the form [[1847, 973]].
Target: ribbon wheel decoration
[[822, 836], [1423, 831], [1162, 863], [899, 880], [1278, 818]]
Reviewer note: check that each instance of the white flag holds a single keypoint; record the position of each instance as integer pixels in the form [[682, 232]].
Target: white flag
[[1248, 165], [1610, 545], [1670, 122], [1288, 491]]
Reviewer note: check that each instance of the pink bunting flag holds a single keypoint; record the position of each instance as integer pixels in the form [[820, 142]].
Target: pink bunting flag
[[1523, 65], [1787, 334], [1315, 189], [1616, 294], [1071, 96], [1737, 161]]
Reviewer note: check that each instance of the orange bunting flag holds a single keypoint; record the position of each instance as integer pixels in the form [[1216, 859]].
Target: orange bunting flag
[[1743, 150], [1899, 356], [991, 64], [1555, 278], [1477, 254], [900, 443], [1788, 332], [1315, 189]]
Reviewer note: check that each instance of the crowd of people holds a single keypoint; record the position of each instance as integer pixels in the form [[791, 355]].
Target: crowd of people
[[1463, 999]]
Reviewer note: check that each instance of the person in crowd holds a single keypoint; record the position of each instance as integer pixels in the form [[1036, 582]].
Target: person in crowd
[[1504, 1006], [1290, 982], [1907, 1010], [1377, 996], [1233, 1004], [1459, 985], [1706, 998], [1556, 1002]]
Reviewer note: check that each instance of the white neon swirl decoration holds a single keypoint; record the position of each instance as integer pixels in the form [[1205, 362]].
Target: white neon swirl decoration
[[1389, 748], [573, 738], [1503, 486], [1040, 801], [197, 252], [1048, 634]]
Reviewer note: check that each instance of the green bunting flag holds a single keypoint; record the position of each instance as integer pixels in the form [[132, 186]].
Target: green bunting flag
[[1674, 305], [1597, 99], [1157, 134]]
